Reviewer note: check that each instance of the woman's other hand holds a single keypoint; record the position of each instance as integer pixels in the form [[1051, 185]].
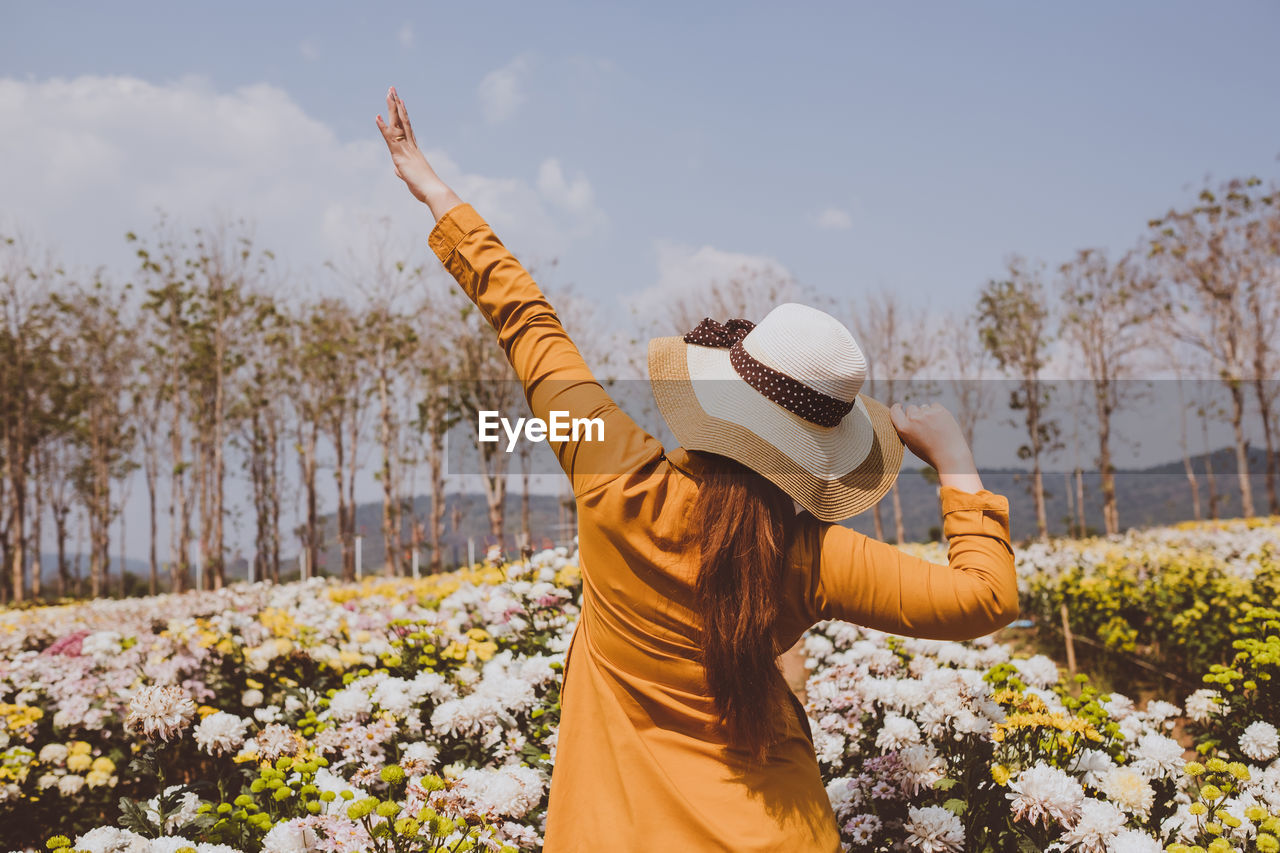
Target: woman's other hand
[[410, 163]]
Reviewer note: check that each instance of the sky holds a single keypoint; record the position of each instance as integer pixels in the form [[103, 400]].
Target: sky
[[641, 146]]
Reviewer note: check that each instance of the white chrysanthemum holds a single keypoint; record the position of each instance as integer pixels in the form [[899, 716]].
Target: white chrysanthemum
[[215, 848], [70, 785], [1093, 765], [1133, 841], [1098, 823], [1158, 756], [1130, 790], [1118, 706], [828, 745], [843, 795], [109, 839], [220, 733], [169, 844], [921, 767], [160, 711], [1260, 741], [933, 829], [101, 644], [291, 836], [393, 694], [897, 732], [350, 704], [53, 753], [421, 751], [1205, 703], [1037, 671], [1041, 792], [274, 741], [506, 792], [188, 803]]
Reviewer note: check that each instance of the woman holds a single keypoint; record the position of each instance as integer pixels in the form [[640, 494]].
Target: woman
[[677, 730]]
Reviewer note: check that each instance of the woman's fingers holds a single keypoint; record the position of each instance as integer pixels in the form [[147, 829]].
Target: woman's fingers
[[403, 114]]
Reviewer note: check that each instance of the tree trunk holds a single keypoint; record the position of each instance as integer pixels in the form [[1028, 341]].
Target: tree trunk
[[1081, 525], [151, 470], [1208, 467], [308, 461], [64, 570], [391, 520], [37, 514], [1242, 449], [435, 452], [1264, 408], [1110, 511], [1190, 470], [14, 465], [1032, 390]]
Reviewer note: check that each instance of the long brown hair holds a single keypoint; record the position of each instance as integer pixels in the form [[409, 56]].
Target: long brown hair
[[741, 523]]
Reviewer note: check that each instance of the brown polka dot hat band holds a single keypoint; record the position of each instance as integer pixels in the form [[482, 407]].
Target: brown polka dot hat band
[[783, 397], [790, 394]]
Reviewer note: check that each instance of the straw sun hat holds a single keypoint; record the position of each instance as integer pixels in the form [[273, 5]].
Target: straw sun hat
[[783, 398]]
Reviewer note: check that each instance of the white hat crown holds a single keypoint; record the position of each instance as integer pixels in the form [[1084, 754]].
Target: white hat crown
[[811, 347]]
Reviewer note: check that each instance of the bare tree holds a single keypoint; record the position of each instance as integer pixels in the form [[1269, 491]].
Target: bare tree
[[1014, 322], [898, 347], [749, 292], [1209, 271], [105, 358], [970, 362], [26, 278], [1105, 308]]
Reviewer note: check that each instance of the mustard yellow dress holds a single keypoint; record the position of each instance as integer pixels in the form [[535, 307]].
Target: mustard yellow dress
[[641, 763]]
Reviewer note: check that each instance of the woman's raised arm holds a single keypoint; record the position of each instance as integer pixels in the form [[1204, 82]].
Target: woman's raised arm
[[600, 440]]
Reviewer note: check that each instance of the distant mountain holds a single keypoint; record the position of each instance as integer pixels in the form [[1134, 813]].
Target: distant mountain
[[1145, 497]]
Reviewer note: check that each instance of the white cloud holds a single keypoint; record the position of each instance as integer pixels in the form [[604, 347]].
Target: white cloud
[[575, 196], [835, 219], [405, 35], [501, 91], [706, 281], [86, 159]]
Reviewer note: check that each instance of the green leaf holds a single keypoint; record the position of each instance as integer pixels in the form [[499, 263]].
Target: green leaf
[[944, 784], [956, 806]]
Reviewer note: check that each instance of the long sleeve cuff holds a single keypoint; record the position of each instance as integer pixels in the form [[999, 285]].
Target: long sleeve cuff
[[984, 513], [450, 229]]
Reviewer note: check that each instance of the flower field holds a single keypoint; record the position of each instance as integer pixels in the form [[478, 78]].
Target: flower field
[[398, 715]]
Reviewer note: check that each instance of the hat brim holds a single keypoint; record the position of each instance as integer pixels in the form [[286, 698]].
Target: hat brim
[[833, 472]]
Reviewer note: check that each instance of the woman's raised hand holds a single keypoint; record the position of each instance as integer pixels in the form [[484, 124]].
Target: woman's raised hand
[[410, 163], [932, 433]]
